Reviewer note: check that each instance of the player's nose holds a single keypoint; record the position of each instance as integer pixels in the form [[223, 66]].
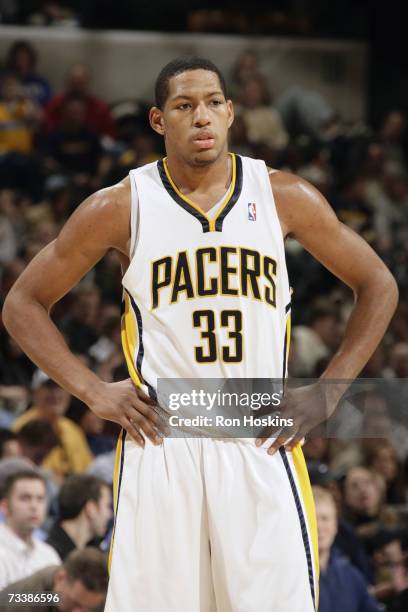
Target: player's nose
[[201, 115]]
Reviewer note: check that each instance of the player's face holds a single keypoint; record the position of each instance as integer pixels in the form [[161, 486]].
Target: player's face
[[195, 118]]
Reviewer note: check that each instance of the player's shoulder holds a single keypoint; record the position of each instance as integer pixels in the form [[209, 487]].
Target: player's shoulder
[[115, 197], [107, 209], [297, 200], [288, 184]]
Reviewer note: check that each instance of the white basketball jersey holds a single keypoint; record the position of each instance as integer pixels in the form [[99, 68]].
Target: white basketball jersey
[[205, 296]]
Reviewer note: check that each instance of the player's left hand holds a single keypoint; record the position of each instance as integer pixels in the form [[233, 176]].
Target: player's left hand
[[307, 407]]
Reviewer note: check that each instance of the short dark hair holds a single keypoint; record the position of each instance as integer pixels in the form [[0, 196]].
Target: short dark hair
[[39, 432], [76, 492], [178, 66], [90, 566], [26, 474]]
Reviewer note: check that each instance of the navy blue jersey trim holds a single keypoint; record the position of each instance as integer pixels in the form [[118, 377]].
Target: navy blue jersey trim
[[302, 521]]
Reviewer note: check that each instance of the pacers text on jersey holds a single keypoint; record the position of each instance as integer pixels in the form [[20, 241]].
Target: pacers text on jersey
[[210, 271]]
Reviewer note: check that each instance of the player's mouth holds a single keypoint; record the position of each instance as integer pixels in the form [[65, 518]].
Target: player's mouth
[[204, 140]]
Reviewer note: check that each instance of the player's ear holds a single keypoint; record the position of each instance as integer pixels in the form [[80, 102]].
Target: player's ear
[[230, 110], [156, 120]]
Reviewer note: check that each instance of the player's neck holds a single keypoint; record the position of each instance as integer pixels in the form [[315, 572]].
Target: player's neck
[[200, 178]]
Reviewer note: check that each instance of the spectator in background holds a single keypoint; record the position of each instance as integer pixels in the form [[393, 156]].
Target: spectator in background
[[93, 427], [342, 587], [399, 574], [79, 584], [263, 122], [97, 114], [21, 63], [399, 360], [245, 67], [19, 117], [84, 512], [23, 503], [317, 340], [364, 508], [36, 440], [81, 324], [72, 147], [392, 135], [9, 444], [382, 459], [305, 112], [72, 455]]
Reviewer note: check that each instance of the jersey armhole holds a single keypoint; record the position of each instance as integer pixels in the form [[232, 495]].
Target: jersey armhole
[[134, 215]]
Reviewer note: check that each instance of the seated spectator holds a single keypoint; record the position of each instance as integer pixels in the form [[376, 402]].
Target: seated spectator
[[342, 587], [93, 427], [363, 496], [305, 111], [72, 147], [386, 552], [97, 114], [263, 123], [392, 136], [347, 542], [399, 573], [79, 584], [72, 455], [80, 326], [315, 341], [84, 511], [19, 117], [21, 63], [246, 66], [37, 439], [382, 458], [9, 444], [23, 503]]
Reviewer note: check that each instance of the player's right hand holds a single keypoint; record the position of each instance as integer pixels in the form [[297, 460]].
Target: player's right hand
[[127, 405]]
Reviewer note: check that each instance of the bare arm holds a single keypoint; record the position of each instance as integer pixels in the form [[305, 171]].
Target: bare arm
[[305, 214], [100, 223]]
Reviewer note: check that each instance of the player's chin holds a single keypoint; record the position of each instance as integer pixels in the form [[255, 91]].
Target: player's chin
[[203, 158]]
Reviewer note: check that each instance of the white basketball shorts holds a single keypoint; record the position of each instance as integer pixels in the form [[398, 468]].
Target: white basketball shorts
[[206, 525]]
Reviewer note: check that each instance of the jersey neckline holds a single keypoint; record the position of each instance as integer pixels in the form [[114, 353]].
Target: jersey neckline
[[208, 224]]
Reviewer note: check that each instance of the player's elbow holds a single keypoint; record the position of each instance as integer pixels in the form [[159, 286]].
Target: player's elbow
[[383, 287], [12, 312]]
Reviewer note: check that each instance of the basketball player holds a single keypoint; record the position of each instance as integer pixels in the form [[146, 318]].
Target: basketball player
[[202, 525]]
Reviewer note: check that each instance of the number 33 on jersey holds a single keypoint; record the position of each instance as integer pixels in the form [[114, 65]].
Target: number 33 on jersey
[[205, 295]]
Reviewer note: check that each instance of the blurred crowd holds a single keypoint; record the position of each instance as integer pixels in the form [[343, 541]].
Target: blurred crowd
[[57, 458], [294, 17]]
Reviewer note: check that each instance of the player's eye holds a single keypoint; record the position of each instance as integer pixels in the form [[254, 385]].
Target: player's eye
[[184, 106], [216, 102]]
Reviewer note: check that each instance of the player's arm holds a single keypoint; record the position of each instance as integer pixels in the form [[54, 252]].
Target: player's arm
[[305, 214], [100, 223]]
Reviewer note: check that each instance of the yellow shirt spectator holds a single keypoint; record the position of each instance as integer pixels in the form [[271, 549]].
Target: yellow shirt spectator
[[72, 455]]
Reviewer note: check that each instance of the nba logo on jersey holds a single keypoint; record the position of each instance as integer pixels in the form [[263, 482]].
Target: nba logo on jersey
[[252, 211]]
